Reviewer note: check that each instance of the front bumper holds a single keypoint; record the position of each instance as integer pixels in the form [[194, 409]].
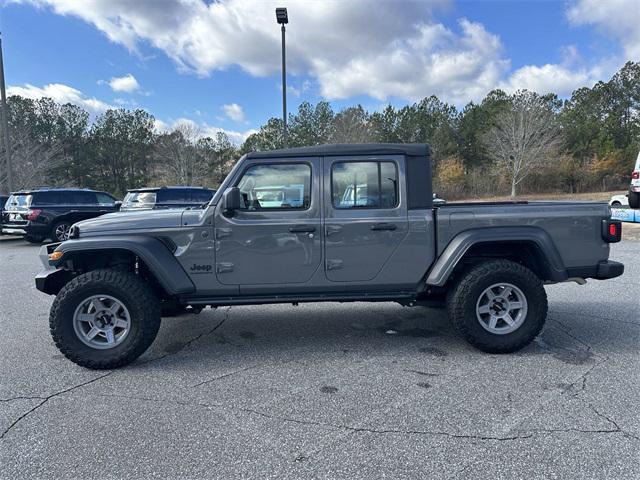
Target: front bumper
[[51, 279]]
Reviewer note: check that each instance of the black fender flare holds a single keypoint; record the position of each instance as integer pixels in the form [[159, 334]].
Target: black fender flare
[[152, 251], [462, 242]]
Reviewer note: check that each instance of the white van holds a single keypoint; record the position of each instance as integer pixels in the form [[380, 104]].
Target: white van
[[634, 188]]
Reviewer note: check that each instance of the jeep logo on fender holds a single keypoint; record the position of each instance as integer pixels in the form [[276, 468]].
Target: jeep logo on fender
[[195, 268]]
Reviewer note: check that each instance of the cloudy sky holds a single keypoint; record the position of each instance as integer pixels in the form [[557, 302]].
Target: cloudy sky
[[217, 63]]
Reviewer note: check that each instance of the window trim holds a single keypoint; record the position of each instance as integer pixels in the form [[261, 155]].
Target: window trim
[[279, 209], [367, 207]]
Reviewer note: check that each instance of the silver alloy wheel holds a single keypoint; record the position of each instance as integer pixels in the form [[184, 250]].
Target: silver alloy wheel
[[62, 232], [101, 322], [501, 308]]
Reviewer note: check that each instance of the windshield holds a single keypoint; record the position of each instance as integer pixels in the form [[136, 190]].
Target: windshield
[[139, 200], [18, 202]]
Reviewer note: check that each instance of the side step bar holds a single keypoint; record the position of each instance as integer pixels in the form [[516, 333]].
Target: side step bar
[[402, 297]]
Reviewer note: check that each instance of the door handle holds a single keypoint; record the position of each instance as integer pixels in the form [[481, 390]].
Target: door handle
[[383, 226], [302, 229]]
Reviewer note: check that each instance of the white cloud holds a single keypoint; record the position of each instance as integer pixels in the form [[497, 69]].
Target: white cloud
[[62, 94], [370, 47], [390, 51], [437, 60], [556, 78], [234, 112], [619, 19], [127, 84]]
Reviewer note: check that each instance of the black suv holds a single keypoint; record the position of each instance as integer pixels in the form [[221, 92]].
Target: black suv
[[166, 197], [50, 212]]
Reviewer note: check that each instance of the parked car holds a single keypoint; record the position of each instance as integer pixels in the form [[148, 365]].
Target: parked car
[[488, 262], [165, 197], [634, 188], [3, 201], [619, 201], [50, 212]]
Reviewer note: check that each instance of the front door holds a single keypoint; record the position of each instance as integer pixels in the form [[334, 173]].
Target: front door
[[275, 237], [365, 221]]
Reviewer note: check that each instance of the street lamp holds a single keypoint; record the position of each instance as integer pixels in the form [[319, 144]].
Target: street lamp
[[283, 18]]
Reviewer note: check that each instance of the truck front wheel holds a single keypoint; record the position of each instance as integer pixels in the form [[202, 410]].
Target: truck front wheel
[[104, 319], [498, 306]]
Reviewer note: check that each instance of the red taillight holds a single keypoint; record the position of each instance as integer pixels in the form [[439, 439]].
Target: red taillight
[[636, 175], [611, 231], [33, 214]]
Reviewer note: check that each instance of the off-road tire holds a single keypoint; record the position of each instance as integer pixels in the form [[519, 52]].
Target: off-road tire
[[139, 299], [634, 199], [32, 239], [463, 297]]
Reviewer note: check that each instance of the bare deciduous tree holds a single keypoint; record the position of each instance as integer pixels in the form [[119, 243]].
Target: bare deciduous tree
[[178, 158], [32, 160], [524, 137]]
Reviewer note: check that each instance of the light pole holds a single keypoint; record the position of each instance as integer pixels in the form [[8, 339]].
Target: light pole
[[5, 125], [283, 18]]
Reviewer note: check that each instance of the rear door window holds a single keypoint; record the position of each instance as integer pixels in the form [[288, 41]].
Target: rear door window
[[104, 199], [83, 198], [364, 185]]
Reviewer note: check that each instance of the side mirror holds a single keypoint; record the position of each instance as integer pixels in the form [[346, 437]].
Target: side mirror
[[117, 204], [230, 201]]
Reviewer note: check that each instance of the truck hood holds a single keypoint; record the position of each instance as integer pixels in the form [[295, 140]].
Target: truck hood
[[119, 221]]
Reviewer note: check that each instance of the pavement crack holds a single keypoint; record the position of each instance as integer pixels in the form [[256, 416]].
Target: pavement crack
[[220, 377], [194, 339], [567, 331], [47, 398], [521, 436]]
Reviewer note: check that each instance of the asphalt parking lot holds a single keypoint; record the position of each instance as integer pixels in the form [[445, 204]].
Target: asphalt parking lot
[[327, 391]]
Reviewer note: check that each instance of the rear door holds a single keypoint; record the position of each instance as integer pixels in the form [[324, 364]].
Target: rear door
[[81, 205], [365, 220]]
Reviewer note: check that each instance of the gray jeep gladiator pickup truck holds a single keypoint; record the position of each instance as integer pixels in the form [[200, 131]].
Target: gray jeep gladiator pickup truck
[[332, 223]]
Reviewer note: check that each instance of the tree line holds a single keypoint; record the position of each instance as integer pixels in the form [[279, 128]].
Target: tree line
[[519, 143]]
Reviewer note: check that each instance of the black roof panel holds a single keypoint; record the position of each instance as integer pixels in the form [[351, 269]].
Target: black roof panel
[[54, 189], [339, 149]]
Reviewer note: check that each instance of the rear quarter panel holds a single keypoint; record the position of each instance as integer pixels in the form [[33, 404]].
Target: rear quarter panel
[[574, 227]]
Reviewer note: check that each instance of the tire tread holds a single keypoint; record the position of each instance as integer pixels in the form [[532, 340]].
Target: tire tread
[[459, 295], [128, 282]]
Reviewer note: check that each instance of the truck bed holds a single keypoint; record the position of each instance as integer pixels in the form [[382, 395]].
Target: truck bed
[[575, 227]]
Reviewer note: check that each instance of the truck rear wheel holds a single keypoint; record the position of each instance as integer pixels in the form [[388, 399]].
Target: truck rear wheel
[[634, 199], [104, 319], [498, 306]]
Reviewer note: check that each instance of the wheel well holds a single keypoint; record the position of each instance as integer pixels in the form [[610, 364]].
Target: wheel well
[[116, 259], [526, 253]]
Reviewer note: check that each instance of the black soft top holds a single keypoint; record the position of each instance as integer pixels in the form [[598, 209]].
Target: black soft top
[[339, 149]]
